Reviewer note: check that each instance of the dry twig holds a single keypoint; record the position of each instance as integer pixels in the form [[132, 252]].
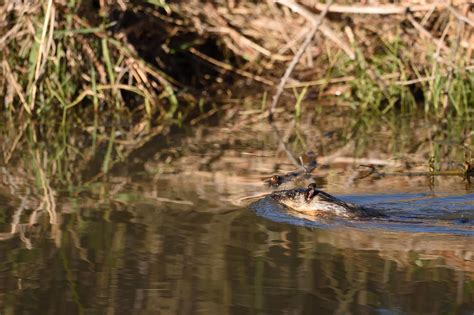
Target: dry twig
[[325, 29], [379, 9]]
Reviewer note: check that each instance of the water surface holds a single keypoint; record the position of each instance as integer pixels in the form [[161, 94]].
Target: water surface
[[171, 231]]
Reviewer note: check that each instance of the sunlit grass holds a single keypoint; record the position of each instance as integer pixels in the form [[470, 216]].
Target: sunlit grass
[[65, 63]]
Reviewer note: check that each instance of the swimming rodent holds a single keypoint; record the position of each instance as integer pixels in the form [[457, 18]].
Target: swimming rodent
[[316, 202]]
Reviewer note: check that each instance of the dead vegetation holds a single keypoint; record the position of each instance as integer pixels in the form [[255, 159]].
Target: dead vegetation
[[94, 82], [141, 56], [397, 54]]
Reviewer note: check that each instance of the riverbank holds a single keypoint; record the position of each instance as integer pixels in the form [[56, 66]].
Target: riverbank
[[160, 61], [94, 85]]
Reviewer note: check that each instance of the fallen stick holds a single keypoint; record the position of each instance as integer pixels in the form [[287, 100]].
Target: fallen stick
[[380, 9]]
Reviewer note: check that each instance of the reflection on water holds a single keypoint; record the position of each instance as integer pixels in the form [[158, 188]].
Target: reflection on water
[[397, 217], [172, 232], [178, 260]]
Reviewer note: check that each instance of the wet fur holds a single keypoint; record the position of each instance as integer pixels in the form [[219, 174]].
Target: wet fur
[[315, 202]]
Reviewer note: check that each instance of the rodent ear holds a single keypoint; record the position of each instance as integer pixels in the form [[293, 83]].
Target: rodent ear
[[310, 192]]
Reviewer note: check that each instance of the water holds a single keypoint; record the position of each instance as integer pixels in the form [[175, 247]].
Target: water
[[440, 216], [173, 231]]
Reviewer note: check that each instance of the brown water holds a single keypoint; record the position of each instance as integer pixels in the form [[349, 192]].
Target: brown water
[[172, 229]]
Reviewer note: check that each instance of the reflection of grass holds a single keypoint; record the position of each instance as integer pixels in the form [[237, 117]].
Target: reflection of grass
[[70, 278], [163, 243], [402, 136]]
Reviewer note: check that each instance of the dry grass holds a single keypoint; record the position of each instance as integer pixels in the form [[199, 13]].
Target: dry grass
[[53, 60], [402, 54], [57, 55]]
